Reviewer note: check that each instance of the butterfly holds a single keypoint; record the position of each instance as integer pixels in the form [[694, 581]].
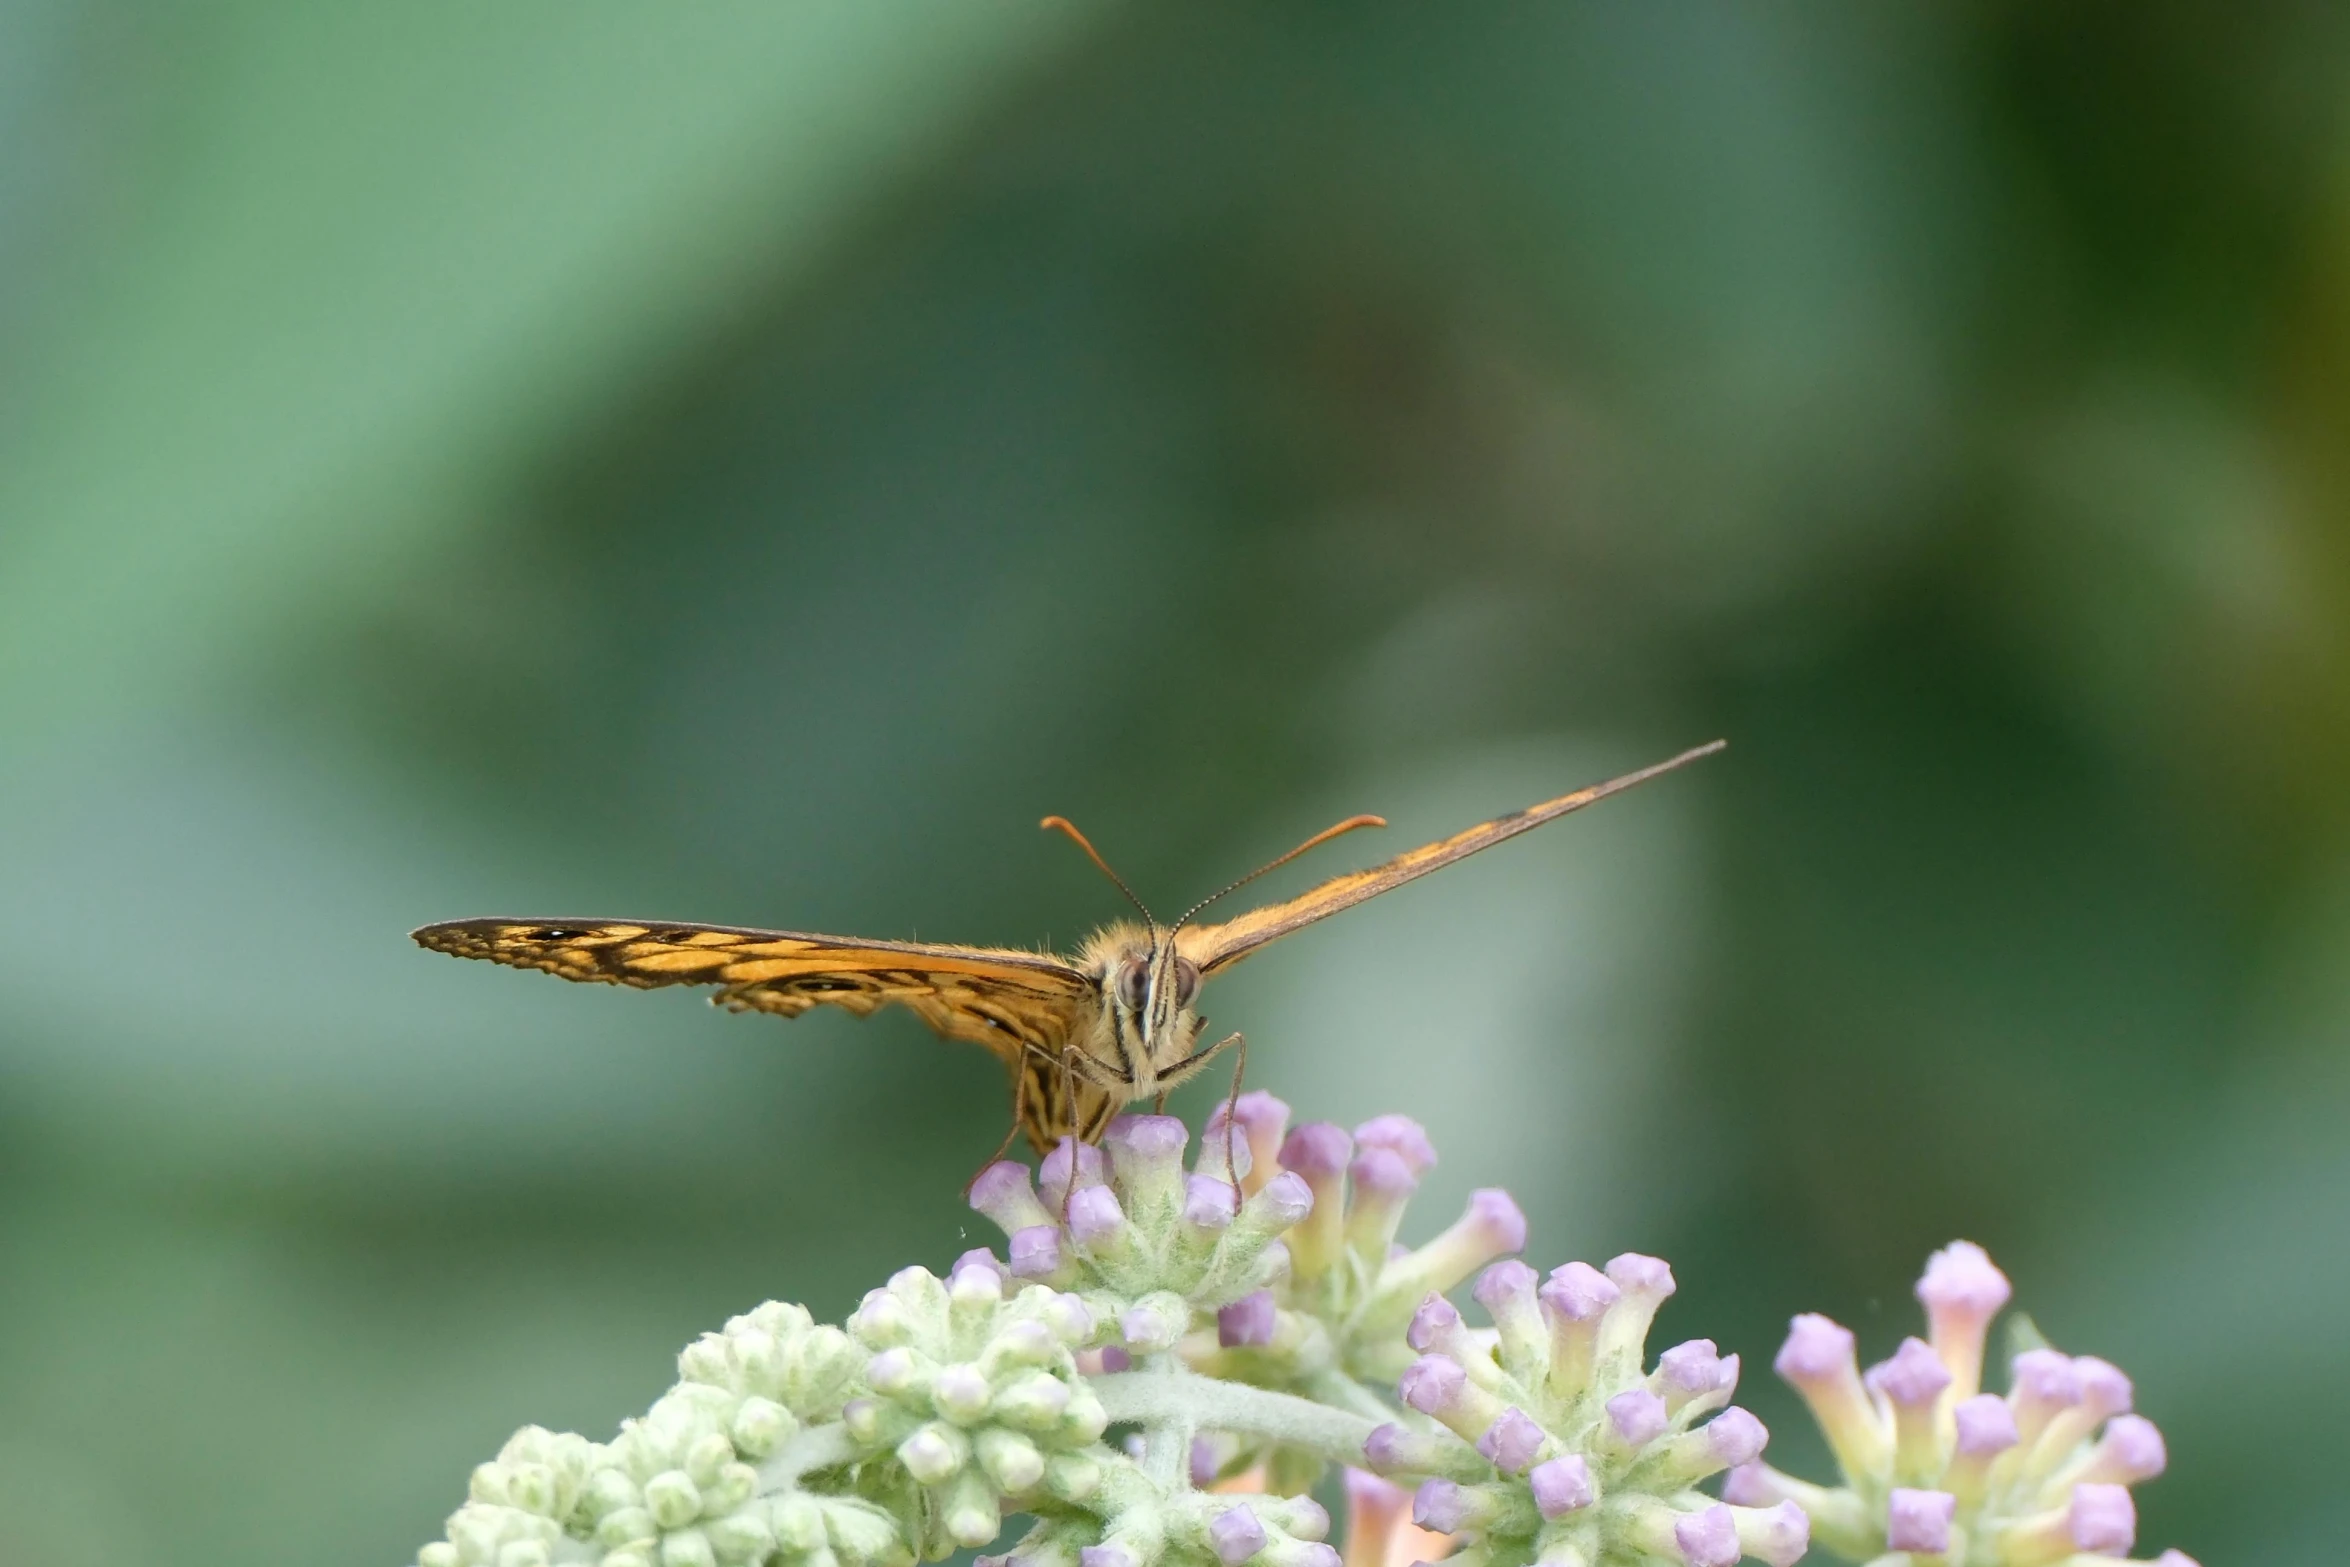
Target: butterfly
[[1083, 1036]]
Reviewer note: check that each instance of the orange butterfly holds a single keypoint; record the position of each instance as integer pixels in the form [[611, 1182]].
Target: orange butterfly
[[1083, 1037]]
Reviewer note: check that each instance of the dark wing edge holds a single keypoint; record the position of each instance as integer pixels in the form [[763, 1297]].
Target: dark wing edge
[[1216, 947]]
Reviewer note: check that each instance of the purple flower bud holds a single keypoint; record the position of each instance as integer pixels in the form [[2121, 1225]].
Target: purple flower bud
[[1562, 1485], [1816, 1349], [1735, 1437], [1579, 1291], [1236, 1535], [1115, 1359], [1432, 1383], [1383, 1185], [1575, 1301], [1440, 1505], [1111, 1555], [1637, 1275], [1504, 1285], [1508, 1291], [1914, 1377], [1961, 1292], [1644, 1283], [2130, 1451], [1986, 1426], [1749, 1485], [1919, 1520], [1207, 1202], [1381, 1175], [1248, 1321], [1638, 1416], [1498, 1218], [1147, 1137], [1817, 1360], [1511, 1442], [2104, 1389], [1258, 1113], [1434, 1326], [1001, 1191], [1286, 1198], [2104, 1519], [1709, 1538], [1203, 1463], [2043, 1376], [1146, 1153], [1690, 1369], [1961, 1278], [2176, 1559], [1258, 1121], [1053, 1174], [1036, 1252], [1317, 1150], [1387, 1447], [1318, 1555], [1094, 1216], [1778, 1537], [1402, 1136]]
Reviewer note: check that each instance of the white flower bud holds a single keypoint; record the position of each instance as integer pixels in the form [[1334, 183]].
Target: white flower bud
[[673, 1499]]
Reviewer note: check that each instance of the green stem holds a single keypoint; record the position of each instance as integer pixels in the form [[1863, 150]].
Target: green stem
[[1341, 1391], [1154, 1400], [1166, 1437]]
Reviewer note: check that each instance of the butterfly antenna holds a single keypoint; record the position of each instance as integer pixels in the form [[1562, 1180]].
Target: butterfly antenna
[[1315, 842], [1063, 824]]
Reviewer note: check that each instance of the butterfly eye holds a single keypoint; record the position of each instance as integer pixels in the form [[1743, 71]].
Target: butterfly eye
[[1131, 980], [1186, 981]]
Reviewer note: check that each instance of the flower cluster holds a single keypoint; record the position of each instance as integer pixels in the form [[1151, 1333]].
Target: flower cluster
[[976, 1394], [681, 1485], [1349, 1290], [1144, 1244], [1936, 1468], [1590, 1458], [1170, 1358]]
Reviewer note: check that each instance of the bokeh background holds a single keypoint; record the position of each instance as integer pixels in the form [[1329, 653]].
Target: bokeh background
[[748, 462]]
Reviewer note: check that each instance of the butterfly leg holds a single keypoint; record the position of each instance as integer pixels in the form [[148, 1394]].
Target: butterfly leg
[[1197, 1062], [1019, 1119], [1069, 1097], [1232, 1118]]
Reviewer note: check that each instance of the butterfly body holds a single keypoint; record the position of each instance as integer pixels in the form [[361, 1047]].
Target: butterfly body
[[1082, 1036]]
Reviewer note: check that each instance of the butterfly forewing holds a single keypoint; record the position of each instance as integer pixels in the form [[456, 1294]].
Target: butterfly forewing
[[1215, 947], [1023, 1006]]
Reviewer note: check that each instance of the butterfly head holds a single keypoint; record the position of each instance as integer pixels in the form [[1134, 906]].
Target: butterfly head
[[1148, 992]]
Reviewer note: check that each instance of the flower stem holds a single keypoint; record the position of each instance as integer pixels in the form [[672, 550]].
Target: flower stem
[[1160, 1400]]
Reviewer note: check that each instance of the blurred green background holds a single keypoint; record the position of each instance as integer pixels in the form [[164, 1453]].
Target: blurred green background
[[746, 463]]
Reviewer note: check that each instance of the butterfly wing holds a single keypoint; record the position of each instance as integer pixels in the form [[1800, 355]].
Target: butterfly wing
[[1023, 1006], [1215, 947]]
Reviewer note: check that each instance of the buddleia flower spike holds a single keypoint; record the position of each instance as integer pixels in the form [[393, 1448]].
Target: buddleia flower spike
[[1935, 1468]]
